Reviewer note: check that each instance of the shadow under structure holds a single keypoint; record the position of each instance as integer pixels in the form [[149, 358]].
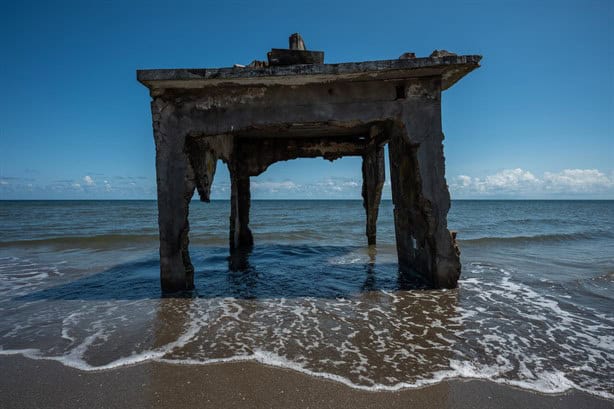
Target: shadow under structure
[[295, 106]]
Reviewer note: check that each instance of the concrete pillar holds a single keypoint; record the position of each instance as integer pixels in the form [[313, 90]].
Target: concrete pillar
[[240, 198], [175, 179], [373, 177], [420, 195]]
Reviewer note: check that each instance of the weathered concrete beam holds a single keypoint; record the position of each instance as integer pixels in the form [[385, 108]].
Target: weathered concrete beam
[[285, 98], [247, 111], [259, 153], [451, 68], [240, 119]]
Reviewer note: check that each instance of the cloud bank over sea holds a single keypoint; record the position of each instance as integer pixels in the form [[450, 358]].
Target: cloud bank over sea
[[514, 183], [521, 182]]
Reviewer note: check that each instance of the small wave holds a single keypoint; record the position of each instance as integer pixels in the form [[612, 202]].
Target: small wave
[[94, 241], [548, 383], [609, 276], [102, 241], [538, 238], [544, 221], [289, 236], [19, 276]]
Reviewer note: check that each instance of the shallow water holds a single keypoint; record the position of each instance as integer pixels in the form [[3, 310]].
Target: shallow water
[[534, 308]]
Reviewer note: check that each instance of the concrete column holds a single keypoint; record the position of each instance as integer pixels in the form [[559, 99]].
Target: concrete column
[[419, 192], [373, 177], [240, 198], [175, 179]]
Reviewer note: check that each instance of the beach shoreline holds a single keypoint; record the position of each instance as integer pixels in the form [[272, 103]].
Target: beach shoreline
[[27, 383]]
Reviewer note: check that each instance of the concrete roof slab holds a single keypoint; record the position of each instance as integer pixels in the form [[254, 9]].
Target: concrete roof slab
[[451, 68]]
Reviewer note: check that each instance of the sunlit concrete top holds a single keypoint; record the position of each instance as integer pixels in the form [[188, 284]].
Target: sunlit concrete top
[[451, 68]]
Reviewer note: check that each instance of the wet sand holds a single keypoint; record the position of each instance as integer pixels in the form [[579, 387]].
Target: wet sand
[[26, 383]]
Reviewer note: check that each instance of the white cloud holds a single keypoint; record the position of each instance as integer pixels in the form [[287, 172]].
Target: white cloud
[[273, 187], [88, 181], [522, 182], [336, 185], [464, 180], [111, 187], [351, 183], [510, 178], [577, 180], [330, 187], [507, 183]]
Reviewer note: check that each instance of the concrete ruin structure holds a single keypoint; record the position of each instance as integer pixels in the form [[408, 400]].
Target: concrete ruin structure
[[295, 106]]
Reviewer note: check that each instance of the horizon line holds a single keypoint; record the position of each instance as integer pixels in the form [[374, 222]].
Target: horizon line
[[323, 199]]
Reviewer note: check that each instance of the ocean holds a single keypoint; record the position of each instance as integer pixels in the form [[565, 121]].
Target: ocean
[[79, 284]]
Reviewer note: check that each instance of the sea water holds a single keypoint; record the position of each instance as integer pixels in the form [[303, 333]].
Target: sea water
[[79, 284]]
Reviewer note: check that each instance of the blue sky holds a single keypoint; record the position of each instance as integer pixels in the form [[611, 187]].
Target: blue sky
[[535, 121]]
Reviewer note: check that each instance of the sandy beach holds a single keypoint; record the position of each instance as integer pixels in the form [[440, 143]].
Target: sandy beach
[[29, 383]]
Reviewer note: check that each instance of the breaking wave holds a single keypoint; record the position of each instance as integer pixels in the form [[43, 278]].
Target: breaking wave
[[538, 238]]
